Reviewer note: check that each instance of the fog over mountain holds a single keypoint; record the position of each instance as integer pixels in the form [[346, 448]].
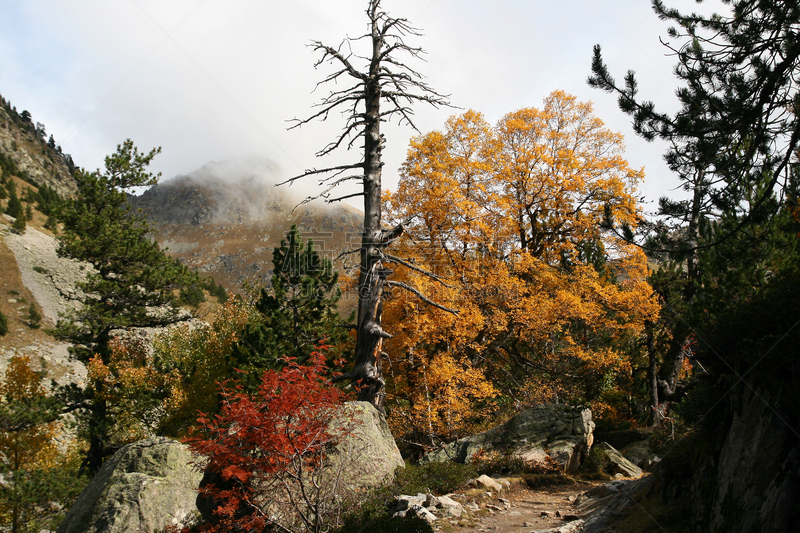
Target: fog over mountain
[[224, 218]]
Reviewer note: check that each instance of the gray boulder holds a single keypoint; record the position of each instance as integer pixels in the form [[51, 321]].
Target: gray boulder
[[641, 454], [368, 454], [613, 462], [144, 487], [549, 431]]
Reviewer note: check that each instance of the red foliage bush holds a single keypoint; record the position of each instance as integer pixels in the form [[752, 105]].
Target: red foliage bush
[[265, 453]]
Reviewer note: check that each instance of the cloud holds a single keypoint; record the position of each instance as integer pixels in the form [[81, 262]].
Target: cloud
[[210, 81]]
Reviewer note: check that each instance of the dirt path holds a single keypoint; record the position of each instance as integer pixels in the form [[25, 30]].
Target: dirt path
[[522, 509]]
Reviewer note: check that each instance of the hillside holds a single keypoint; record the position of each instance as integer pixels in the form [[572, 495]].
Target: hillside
[[39, 161], [224, 220], [32, 274]]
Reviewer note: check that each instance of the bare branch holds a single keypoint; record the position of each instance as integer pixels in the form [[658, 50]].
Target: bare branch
[[314, 171], [409, 265], [419, 295], [345, 197]]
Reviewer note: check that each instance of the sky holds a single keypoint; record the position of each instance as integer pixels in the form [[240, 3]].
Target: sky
[[211, 80]]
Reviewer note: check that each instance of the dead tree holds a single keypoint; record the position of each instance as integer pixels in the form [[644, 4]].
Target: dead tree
[[383, 89]]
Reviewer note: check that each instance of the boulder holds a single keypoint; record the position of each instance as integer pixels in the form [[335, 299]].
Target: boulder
[[487, 483], [548, 431], [144, 487], [613, 462], [368, 454], [641, 454]]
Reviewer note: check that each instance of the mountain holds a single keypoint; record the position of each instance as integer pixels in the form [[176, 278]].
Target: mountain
[[225, 218]]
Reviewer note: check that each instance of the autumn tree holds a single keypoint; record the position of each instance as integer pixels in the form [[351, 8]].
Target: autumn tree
[[733, 144], [35, 472], [383, 89], [516, 218], [158, 386], [132, 282]]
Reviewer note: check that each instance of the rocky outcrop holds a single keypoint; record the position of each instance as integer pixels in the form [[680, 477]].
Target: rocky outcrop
[[641, 454], [752, 482], [42, 164], [551, 431], [144, 487]]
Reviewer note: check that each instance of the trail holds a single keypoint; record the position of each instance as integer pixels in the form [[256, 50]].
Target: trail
[[522, 509]]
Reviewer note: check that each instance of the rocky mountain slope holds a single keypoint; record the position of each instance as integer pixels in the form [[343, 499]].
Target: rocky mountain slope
[[224, 220], [25, 142]]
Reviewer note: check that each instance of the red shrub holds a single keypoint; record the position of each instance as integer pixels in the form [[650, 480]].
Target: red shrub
[[265, 453]]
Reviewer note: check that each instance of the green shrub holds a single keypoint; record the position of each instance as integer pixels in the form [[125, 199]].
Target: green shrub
[[192, 296], [3, 324], [34, 317], [40, 270], [436, 478]]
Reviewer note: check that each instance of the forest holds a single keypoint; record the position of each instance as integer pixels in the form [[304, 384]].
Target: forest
[[513, 266]]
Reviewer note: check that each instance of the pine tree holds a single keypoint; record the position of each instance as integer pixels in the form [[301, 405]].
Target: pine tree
[[14, 206], [34, 317], [133, 281], [733, 144], [299, 311], [20, 223]]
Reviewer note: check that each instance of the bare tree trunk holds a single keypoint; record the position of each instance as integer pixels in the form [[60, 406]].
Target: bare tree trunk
[[652, 376], [385, 79]]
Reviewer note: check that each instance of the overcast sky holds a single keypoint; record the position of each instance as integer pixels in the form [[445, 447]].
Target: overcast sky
[[209, 80]]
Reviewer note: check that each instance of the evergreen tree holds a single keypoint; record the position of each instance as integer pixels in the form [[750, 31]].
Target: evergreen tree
[[733, 144], [132, 283], [3, 324], [20, 223], [298, 312], [14, 206]]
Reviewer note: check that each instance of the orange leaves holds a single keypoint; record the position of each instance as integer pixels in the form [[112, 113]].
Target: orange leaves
[[515, 217]]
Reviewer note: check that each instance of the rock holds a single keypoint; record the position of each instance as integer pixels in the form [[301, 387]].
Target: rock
[[405, 502], [613, 462], [485, 481], [445, 502], [369, 450], [641, 454], [455, 512], [431, 501], [506, 503], [144, 487], [421, 512], [555, 431], [545, 514]]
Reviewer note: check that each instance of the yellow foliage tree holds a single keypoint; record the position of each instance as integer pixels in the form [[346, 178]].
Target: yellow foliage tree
[[161, 390], [514, 219], [31, 463]]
